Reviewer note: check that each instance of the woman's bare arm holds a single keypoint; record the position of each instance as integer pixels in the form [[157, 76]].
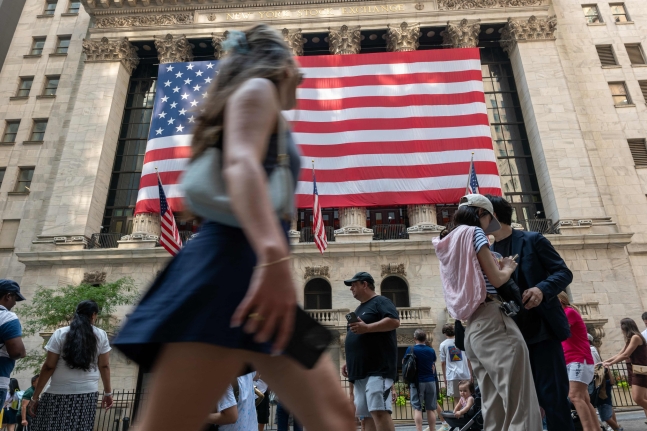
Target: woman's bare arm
[[496, 276]]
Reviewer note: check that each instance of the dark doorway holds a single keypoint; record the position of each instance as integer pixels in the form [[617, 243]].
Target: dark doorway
[[318, 295], [396, 290]]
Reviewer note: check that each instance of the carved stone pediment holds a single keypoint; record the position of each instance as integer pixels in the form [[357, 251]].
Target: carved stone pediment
[[483, 4], [520, 30], [294, 39], [143, 20], [462, 35], [393, 268], [173, 48], [317, 271], [345, 40], [111, 50], [403, 37], [94, 277]]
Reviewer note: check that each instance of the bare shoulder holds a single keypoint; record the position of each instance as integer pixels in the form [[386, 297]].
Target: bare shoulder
[[259, 92]]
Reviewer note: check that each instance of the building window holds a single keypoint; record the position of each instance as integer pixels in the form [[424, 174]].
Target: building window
[[636, 55], [619, 12], [317, 295], [38, 131], [10, 131], [638, 151], [592, 14], [607, 58], [8, 233], [619, 93], [74, 6], [25, 86], [51, 84], [50, 7], [24, 180], [517, 172], [643, 89], [131, 146], [37, 46], [63, 44], [396, 290], [2, 172]]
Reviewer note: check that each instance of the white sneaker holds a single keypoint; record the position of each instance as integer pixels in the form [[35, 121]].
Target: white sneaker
[[443, 427]]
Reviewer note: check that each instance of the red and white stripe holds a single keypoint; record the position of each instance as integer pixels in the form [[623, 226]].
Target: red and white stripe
[[318, 230], [170, 236]]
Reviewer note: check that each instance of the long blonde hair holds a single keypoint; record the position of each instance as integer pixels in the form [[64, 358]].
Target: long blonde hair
[[259, 52], [566, 301]]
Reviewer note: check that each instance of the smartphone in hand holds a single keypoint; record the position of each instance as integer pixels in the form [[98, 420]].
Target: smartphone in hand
[[352, 317]]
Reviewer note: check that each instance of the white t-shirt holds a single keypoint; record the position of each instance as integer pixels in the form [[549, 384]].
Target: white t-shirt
[[644, 334], [247, 419], [66, 381], [596, 355], [455, 361]]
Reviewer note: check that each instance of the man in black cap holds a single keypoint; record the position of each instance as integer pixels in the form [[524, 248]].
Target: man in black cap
[[371, 353], [11, 345]]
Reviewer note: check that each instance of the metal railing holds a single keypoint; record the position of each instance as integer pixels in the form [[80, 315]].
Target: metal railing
[[390, 231], [541, 225], [308, 236], [186, 235], [104, 240]]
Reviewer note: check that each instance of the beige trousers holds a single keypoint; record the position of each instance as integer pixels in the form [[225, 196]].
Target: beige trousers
[[499, 357]]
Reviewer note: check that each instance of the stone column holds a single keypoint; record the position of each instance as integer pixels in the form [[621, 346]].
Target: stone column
[[146, 226], [216, 40], [462, 35], [566, 177], [81, 185], [294, 39], [346, 40]]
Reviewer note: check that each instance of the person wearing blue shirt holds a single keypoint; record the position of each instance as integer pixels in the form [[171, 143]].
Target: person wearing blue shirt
[[11, 345], [426, 387]]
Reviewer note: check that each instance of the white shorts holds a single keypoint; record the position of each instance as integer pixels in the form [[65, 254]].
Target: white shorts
[[372, 394], [580, 372]]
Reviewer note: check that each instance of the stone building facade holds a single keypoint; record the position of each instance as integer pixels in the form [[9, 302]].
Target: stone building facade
[[565, 83]]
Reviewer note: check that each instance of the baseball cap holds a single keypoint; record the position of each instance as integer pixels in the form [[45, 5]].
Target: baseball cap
[[481, 201], [590, 337], [360, 276], [11, 286]]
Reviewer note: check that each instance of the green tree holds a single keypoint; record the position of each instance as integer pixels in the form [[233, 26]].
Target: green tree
[[51, 309]]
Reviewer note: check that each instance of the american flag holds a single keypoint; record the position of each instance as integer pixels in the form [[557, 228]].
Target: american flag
[[472, 181], [383, 128], [318, 230], [170, 237]]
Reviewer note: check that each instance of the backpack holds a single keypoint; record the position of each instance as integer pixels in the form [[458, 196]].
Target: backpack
[[410, 367]]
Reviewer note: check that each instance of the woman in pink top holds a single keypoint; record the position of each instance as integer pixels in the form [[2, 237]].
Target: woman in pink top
[[579, 365]]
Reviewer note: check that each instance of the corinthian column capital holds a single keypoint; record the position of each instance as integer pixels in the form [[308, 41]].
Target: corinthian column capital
[[171, 49], [294, 39], [216, 40], [345, 40], [403, 37], [462, 35], [521, 30], [111, 50]]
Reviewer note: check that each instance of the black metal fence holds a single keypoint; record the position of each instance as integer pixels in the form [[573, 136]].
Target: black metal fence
[[308, 236], [390, 231], [104, 240], [541, 225]]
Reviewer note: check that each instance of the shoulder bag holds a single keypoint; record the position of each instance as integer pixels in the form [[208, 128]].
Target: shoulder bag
[[639, 369], [205, 192]]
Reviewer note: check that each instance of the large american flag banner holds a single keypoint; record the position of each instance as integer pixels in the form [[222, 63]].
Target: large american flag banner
[[382, 128]]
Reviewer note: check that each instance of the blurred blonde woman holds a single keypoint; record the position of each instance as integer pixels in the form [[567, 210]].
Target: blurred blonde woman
[[227, 300]]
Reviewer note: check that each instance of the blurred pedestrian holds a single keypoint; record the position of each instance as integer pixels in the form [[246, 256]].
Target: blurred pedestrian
[[237, 407], [12, 402], [456, 368], [605, 403], [540, 275], [230, 290], [644, 317], [494, 345], [424, 391], [25, 418], [635, 353], [10, 333], [283, 419], [263, 408], [77, 356], [579, 366]]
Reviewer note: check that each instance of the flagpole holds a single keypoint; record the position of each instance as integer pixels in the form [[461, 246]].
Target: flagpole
[[469, 173], [313, 209]]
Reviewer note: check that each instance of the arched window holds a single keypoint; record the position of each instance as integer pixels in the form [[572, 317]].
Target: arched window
[[318, 295], [396, 290]]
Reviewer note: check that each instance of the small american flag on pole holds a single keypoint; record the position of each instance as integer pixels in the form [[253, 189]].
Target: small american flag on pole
[[472, 181], [170, 236], [317, 221]]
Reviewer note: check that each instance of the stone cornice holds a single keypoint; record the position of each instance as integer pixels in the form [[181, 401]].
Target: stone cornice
[[104, 50], [126, 21], [335, 249], [533, 29], [486, 4]]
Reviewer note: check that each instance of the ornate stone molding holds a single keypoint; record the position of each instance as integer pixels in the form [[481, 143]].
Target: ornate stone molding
[[171, 49], [462, 35], [346, 40], [403, 37], [316, 271], [518, 30], [94, 277], [294, 39], [393, 268], [111, 50], [405, 339], [144, 20], [217, 40], [483, 4]]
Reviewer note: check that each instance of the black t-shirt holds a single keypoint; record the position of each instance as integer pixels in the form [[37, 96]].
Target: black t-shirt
[[504, 247], [375, 353]]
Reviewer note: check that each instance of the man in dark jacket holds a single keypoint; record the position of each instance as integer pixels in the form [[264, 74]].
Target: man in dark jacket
[[540, 275]]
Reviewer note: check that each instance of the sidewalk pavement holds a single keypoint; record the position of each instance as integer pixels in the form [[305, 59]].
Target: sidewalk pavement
[[630, 421]]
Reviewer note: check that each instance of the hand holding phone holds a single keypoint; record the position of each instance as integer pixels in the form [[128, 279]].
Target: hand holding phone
[[352, 317]]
